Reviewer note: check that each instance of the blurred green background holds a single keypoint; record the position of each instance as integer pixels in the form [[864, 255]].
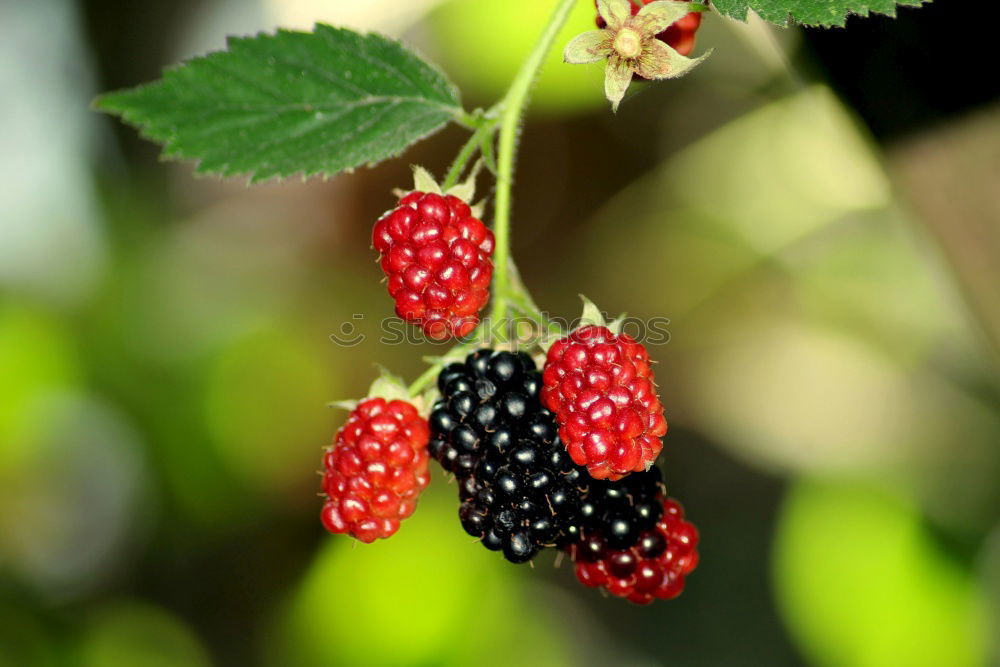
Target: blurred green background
[[817, 213]]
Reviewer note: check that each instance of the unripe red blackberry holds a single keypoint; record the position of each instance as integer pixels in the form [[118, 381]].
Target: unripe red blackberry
[[652, 567], [680, 36], [437, 258], [601, 387], [519, 489], [375, 469]]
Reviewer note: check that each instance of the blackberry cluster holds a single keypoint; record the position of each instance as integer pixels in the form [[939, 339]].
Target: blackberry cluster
[[520, 491], [654, 568], [617, 515], [634, 542]]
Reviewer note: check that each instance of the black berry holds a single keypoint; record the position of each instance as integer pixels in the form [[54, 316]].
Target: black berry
[[520, 489]]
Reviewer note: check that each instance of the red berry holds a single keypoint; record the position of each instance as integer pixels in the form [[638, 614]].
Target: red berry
[[437, 258], [600, 385], [641, 573], [375, 469], [680, 36]]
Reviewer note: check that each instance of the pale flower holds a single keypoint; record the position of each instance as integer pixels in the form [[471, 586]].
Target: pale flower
[[630, 46]]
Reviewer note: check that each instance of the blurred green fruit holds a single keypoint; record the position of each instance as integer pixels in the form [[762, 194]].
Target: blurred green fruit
[[484, 42], [860, 583], [265, 409], [127, 634], [430, 595], [76, 503], [37, 360], [24, 640]]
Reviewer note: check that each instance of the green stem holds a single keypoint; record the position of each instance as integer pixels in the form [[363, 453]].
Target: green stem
[[425, 379], [519, 298], [429, 375], [524, 304], [489, 159], [469, 119], [510, 124], [466, 153], [507, 113]]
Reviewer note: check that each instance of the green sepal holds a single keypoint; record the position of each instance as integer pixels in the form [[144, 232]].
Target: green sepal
[[424, 181], [592, 315], [615, 325], [387, 386], [466, 190]]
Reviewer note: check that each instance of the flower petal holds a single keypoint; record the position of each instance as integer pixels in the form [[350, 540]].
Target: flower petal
[[617, 78], [657, 16], [588, 47], [614, 12], [659, 61]]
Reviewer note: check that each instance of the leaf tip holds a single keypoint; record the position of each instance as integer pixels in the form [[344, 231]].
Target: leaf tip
[[107, 103]]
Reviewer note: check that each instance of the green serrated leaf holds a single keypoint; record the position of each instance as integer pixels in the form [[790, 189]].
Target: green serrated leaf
[[313, 103], [810, 12]]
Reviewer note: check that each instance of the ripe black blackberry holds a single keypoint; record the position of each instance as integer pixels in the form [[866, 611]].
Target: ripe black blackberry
[[618, 515], [519, 488]]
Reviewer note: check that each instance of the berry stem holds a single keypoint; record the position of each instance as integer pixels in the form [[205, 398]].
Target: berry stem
[[507, 113], [512, 106], [488, 154], [467, 119], [482, 134], [425, 379], [455, 353], [520, 299]]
